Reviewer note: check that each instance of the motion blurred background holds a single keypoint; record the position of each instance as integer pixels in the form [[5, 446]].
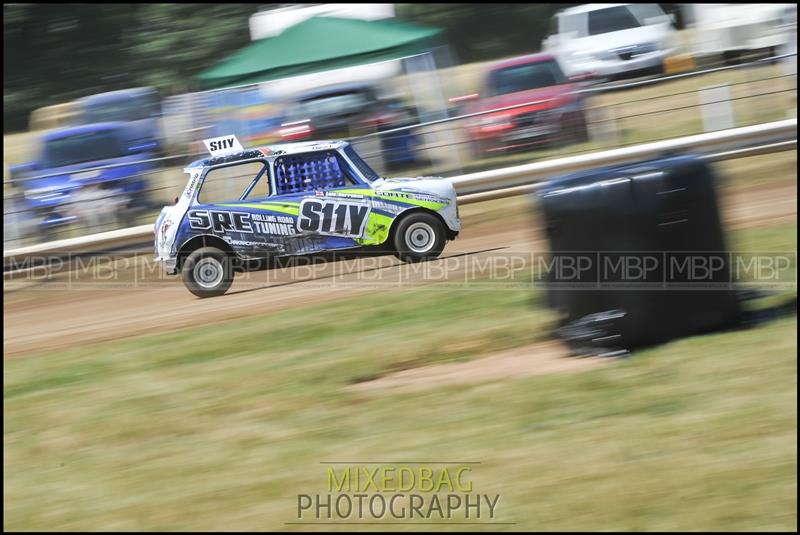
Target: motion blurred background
[[103, 105], [130, 405]]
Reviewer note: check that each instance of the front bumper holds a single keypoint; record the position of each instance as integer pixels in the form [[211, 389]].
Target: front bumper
[[525, 133], [530, 133], [55, 219], [616, 67]]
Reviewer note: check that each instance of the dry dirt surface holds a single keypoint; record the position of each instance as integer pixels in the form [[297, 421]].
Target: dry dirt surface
[[55, 315], [535, 359], [760, 207], [47, 316]]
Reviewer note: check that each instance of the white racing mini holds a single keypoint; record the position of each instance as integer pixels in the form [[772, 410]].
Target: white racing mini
[[295, 199]]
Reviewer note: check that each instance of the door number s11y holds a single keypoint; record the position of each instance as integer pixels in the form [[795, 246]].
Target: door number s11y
[[335, 217]]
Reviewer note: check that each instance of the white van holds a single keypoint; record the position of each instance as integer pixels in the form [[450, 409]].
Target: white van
[[611, 40], [737, 28]]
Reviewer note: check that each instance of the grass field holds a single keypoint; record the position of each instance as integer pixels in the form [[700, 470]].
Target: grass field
[[222, 427]]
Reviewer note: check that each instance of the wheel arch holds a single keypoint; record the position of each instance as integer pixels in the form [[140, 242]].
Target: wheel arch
[[451, 234], [202, 240]]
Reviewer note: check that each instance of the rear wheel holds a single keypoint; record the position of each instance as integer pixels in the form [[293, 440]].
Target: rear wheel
[[419, 236], [207, 272]]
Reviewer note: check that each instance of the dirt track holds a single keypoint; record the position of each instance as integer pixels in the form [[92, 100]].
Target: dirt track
[[535, 359], [50, 316]]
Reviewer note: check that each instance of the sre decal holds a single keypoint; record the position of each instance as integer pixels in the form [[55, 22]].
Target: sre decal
[[220, 221], [334, 217]]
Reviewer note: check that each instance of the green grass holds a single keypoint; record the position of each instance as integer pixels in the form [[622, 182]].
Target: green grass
[[222, 427]]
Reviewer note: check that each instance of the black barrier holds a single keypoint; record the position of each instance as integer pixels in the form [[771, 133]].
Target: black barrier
[[643, 253]]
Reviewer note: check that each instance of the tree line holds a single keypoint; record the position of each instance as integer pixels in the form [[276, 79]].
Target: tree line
[[54, 53]]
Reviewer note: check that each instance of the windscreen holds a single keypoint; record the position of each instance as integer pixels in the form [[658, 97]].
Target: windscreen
[[647, 13], [132, 108], [342, 104], [80, 148], [611, 19], [575, 23], [525, 77]]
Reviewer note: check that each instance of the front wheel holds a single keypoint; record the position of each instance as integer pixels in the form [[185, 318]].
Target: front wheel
[[207, 272], [419, 236]]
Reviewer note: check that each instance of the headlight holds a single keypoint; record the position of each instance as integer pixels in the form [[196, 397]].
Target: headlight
[[571, 107], [646, 48], [85, 175], [496, 120], [595, 55], [550, 115], [43, 194], [607, 55]]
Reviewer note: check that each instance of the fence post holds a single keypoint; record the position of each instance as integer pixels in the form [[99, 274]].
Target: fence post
[[715, 105]]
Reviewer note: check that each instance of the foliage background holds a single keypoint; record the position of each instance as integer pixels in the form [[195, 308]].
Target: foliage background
[[54, 53]]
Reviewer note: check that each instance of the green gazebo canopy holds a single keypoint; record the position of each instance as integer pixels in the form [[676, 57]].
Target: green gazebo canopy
[[319, 44]]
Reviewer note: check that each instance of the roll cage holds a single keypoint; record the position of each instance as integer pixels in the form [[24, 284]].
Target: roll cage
[[350, 169]]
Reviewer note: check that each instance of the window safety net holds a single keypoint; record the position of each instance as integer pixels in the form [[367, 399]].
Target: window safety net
[[294, 174]]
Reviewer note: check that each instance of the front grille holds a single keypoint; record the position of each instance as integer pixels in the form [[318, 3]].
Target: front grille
[[527, 119], [630, 52]]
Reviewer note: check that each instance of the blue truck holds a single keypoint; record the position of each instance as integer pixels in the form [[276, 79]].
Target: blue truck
[[139, 107], [108, 158], [102, 158]]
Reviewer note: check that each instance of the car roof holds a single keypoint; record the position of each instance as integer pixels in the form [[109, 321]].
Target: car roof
[[272, 151], [521, 60], [350, 87], [121, 93], [306, 146], [585, 8], [81, 129]]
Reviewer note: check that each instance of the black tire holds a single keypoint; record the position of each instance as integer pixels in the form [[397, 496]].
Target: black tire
[[207, 272], [419, 236]]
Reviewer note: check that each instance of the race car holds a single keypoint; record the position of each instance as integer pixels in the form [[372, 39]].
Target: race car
[[241, 206]]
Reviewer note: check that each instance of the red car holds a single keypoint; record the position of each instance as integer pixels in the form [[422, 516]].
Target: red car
[[555, 114]]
